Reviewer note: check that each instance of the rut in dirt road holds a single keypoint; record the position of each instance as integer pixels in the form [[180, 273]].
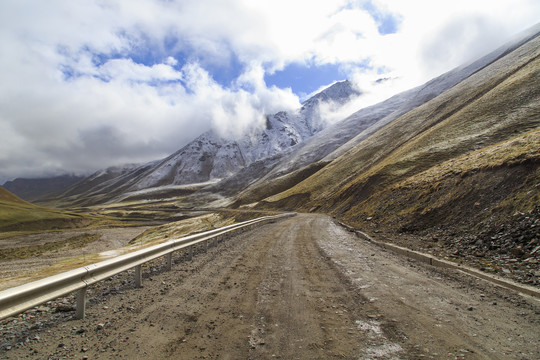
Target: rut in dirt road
[[301, 288], [283, 300], [303, 309]]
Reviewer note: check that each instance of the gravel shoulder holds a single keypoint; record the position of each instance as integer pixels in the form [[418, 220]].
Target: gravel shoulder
[[299, 288]]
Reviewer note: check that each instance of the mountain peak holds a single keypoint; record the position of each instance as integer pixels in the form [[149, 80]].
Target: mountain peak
[[339, 92]]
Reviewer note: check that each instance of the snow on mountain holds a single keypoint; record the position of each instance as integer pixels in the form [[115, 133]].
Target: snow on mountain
[[211, 157], [336, 139], [288, 142]]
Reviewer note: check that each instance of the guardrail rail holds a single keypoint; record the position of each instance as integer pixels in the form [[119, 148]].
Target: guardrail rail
[[18, 299]]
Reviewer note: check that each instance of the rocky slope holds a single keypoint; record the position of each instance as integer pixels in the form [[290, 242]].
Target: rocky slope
[[334, 141]]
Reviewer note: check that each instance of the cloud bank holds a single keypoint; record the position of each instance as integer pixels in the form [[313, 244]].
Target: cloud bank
[[89, 84]]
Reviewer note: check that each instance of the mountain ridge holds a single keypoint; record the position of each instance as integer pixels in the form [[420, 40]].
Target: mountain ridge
[[35, 189], [334, 141], [211, 157], [291, 147], [493, 104]]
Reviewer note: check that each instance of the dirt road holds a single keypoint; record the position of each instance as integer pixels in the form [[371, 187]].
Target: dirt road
[[301, 288]]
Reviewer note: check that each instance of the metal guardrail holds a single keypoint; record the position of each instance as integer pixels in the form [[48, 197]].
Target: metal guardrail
[[441, 263], [18, 299]]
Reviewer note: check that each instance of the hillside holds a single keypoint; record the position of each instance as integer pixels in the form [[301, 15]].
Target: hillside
[[334, 141], [9, 198], [492, 105], [466, 160], [19, 215]]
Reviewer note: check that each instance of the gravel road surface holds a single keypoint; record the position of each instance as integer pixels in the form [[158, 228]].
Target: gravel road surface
[[300, 288]]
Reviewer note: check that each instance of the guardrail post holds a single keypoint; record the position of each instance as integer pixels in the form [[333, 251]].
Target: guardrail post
[[138, 276], [169, 261], [81, 303], [190, 253]]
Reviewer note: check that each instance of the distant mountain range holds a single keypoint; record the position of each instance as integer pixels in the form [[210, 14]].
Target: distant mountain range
[[211, 158], [35, 189]]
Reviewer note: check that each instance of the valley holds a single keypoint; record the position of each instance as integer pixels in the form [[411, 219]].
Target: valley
[[450, 168]]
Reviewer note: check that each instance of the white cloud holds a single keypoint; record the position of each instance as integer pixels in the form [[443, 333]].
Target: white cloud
[[127, 70], [433, 37], [89, 83], [240, 109]]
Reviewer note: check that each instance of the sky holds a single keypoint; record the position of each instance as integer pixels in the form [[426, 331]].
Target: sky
[[89, 84]]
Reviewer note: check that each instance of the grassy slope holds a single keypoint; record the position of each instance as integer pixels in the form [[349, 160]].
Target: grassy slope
[[17, 214], [497, 180], [268, 187], [500, 102]]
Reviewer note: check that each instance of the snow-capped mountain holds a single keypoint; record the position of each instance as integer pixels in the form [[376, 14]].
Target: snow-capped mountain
[[210, 157], [336, 139], [290, 147]]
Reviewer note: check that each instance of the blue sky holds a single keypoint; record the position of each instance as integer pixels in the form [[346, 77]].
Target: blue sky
[[88, 84], [304, 79], [303, 76]]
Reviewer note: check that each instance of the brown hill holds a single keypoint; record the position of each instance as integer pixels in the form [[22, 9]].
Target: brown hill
[[7, 197], [19, 215], [464, 161]]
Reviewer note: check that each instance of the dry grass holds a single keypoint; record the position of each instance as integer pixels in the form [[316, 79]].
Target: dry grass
[[16, 214], [150, 237], [181, 228], [24, 252], [520, 149], [195, 225]]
